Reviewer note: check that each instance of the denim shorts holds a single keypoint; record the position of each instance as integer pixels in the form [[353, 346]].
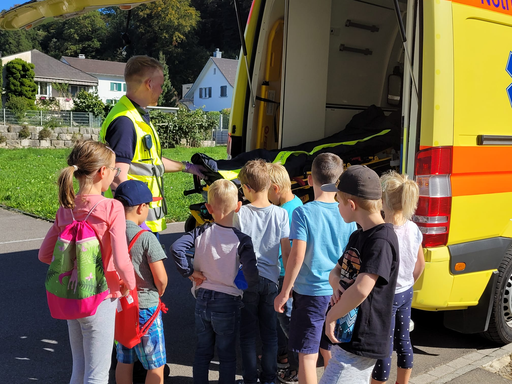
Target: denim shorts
[[306, 323], [151, 350]]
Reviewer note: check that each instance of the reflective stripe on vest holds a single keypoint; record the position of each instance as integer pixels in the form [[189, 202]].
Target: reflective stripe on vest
[[146, 165]]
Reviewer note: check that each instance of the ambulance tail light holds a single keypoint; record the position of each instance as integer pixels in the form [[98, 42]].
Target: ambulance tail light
[[432, 173]]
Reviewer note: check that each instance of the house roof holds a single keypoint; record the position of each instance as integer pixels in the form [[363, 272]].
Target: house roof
[[227, 68], [52, 70], [96, 67]]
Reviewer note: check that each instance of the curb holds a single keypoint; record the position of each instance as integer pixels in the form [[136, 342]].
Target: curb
[[458, 367]]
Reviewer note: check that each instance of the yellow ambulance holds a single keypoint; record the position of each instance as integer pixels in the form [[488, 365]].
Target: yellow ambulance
[[308, 67]]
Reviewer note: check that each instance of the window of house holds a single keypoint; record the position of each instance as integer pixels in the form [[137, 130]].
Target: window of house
[[111, 101], [116, 87], [214, 71], [43, 88], [223, 91], [124, 87], [205, 93]]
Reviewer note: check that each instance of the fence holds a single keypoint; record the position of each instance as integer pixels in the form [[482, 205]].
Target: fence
[[52, 118]]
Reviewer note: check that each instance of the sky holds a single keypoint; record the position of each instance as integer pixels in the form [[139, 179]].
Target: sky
[[6, 4]]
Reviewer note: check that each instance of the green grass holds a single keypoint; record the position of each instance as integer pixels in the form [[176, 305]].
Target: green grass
[[28, 180]]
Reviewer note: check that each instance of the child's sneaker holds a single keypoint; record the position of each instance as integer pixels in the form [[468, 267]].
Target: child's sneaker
[[288, 376], [282, 361]]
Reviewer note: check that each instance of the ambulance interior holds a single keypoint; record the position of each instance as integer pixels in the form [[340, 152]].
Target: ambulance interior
[[338, 58]]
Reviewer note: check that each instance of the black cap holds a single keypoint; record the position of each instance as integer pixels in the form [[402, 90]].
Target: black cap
[[357, 180], [135, 192]]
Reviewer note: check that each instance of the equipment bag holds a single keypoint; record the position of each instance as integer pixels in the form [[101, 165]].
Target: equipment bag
[[75, 281], [128, 331]]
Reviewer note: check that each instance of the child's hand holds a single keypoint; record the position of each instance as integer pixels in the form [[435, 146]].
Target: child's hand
[[329, 331], [123, 288], [280, 302], [197, 277], [336, 294]]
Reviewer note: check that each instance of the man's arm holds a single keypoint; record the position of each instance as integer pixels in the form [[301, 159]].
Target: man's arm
[[123, 176], [293, 267], [350, 299], [178, 166], [159, 276]]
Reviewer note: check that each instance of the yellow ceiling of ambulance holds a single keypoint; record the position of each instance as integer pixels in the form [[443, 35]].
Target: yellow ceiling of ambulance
[[30, 14]]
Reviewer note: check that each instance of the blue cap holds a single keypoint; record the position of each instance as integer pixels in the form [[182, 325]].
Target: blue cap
[[135, 192]]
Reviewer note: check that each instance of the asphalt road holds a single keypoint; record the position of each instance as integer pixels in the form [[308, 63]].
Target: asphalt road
[[34, 347]]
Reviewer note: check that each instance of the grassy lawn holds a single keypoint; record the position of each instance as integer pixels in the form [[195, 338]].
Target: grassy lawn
[[28, 180]]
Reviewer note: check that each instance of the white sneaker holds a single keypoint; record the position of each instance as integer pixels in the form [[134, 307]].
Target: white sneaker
[[411, 326]]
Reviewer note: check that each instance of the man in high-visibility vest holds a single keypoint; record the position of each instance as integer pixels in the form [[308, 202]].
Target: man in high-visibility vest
[[129, 132]]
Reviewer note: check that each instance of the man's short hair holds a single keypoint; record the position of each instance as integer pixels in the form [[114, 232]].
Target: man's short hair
[[372, 206], [139, 68], [255, 174], [326, 168], [279, 176], [224, 194]]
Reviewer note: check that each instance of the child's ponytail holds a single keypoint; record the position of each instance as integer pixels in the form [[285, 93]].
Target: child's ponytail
[[399, 193], [66, 190]]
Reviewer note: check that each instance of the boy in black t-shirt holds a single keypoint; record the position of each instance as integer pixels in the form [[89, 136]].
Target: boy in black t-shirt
[[373, 251]]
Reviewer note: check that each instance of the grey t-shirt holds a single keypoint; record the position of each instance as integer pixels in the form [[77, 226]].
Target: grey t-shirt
[[266, 227], [146, 250]]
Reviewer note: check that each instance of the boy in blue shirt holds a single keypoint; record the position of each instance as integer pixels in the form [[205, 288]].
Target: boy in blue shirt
[[319, 237], [280, 194], [268, 227]]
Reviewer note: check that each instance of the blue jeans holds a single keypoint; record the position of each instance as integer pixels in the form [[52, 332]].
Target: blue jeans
[[217, 317], [259, 309]]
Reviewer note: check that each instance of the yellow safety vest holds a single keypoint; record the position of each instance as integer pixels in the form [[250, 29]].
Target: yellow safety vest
[[146, 166]]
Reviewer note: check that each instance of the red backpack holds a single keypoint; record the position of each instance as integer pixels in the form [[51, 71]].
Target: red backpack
[[128, 331]]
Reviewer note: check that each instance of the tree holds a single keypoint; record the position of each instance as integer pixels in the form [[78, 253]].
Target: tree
[[168, 97], [1, 82], [19, 77], [12, 42], [89, 102], [83, 34]]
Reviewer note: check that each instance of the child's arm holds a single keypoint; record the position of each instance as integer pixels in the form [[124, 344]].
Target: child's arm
[[179, 249], [45, 254], [420, 264], [350, 299], [248, 261], [120, 256], [159, 276], [285, 250], [293, 266]]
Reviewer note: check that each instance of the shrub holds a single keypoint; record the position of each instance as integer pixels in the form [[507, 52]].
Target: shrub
[[52, 123], [24, 133], [19, 80], [45, 133], [3, 139], [18, 105], [89, 102]]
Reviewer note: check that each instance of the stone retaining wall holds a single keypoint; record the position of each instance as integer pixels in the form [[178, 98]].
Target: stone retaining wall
[[60, 138]]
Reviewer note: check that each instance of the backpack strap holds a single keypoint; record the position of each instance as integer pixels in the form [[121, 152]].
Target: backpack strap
[[92, 209], [134, 239], [145, 328]]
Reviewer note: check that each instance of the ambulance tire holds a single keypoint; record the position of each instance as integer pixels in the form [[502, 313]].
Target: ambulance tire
[[500, 323], [190, 223]]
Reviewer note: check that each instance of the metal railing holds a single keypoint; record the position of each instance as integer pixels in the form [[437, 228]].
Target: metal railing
[[51, 118]]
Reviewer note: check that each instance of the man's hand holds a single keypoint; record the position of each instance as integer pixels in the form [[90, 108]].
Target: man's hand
[[197, 277], [195, 169], [280, 302]]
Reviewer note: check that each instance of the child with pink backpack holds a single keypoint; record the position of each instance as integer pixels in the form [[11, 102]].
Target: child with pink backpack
[[88, 255]]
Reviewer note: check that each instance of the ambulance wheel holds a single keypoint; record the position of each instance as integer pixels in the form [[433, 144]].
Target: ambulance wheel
[[500, 323], [190, 223]]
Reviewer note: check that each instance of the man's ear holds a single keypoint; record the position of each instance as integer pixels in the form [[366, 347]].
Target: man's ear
[[209, 208], [238, 206]]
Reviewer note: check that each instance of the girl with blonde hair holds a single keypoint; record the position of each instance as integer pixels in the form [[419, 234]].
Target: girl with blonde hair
[[399, 201], [92, 337]]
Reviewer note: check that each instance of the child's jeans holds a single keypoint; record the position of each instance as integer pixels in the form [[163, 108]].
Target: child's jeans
[[259, 308], [345, 367], [217, 318]]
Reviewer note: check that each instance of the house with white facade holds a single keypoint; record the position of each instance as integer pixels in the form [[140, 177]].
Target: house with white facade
[[213, 88], [51, 75], [110, 76]]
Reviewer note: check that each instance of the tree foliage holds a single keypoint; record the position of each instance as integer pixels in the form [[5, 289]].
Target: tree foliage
[[19, 77], [168, 98], [89, 102]]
